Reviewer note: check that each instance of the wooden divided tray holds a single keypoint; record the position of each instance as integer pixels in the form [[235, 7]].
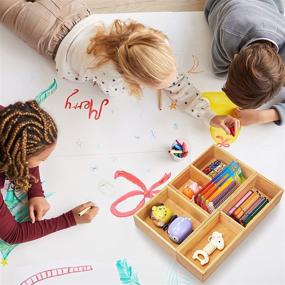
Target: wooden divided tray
[[204, 223]]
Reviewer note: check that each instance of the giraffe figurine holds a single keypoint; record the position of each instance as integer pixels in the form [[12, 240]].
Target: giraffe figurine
[[216, 241]]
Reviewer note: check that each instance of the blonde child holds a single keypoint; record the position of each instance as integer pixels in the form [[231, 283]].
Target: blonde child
[[120, 58], [28, 135]]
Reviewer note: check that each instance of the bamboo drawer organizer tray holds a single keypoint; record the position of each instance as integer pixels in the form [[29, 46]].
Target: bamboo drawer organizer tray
[[203, 222]]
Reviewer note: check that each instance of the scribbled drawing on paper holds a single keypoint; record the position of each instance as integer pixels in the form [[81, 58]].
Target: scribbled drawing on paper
[[51, 273], [42, 96], [17, 203], [173, 105], [85, 105], [176, 277], [126, 273], [106, 187], [195, 65], [153, 134], [144, 191], [175, 126], [224, 142]]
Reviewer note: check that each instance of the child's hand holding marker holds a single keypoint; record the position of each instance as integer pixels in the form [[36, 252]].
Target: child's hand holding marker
[[85, 213], [229, 124]]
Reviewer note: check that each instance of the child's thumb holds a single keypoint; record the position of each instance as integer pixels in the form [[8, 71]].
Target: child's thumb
[[225, 128], [32, 214]]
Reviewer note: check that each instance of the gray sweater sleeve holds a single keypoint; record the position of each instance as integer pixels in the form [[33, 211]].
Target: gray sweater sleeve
[[280, 108], [224, 47]]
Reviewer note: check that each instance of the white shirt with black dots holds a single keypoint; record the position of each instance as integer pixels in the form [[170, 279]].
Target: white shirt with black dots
[[73, 63], [188, 98]]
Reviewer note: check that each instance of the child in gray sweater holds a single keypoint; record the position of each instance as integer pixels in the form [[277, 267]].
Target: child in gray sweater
[[249, 44]]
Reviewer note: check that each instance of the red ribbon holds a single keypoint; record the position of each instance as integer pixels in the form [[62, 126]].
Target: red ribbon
[[223, 142], [146, 193]]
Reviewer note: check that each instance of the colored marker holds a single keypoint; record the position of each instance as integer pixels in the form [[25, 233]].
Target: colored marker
[[175, 151], [245, 197], [257, 210], [246, 205], [232, 131], [212, 183], [252, 209], [84, 211]]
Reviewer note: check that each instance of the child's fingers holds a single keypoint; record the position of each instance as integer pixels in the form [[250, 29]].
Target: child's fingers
[[32, 214], [89, 216], [85, 205], [39, 215], [93, 211], [225, 128], [237, 125]]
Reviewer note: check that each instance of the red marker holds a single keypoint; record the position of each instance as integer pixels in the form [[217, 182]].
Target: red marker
[[232, 131]]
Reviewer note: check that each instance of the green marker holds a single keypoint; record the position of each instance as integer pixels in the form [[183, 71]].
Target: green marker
[[255, 212]]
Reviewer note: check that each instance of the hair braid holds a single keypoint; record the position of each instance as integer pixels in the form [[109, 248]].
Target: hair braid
[[25, 130]]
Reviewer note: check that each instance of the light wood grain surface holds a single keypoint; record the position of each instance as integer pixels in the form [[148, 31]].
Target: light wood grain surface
[[120, 6]]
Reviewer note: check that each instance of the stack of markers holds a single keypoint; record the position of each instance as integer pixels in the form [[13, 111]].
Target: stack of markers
[[214, 193], [247, 207], [214, 168], [179, 149]]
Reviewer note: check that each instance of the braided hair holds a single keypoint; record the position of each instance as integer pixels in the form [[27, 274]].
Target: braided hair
[[25, 130]]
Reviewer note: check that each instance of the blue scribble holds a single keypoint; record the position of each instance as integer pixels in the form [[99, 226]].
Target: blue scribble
[[175, 126], [127, 275], [153, 134], [177, 277], [94, 168]]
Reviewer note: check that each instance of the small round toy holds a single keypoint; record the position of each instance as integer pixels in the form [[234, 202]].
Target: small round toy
[[179, 149], [191, 189], [180, 229], [160, 215]]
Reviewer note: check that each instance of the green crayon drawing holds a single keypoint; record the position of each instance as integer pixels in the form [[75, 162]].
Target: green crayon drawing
[[127, 275], [17, 203], [41, 97]]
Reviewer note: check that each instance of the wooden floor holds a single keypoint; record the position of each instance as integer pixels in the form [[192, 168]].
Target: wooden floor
[[119, 6]]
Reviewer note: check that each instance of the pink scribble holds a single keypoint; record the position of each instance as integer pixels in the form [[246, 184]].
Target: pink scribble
[[224, 142], [146, 193], [87, 105], [38, 277]]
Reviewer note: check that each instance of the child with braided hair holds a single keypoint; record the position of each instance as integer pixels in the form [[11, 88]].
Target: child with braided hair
[[28, 136]]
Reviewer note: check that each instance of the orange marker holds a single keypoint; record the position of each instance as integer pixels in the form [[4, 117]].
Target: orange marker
[[239, 212]]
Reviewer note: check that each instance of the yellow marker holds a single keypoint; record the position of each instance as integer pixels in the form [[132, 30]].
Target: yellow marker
[[221, 189], [84, 211]]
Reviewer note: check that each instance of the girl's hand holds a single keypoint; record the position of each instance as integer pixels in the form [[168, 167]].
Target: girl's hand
[[88, 216], [38, 206], [225, 122]]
